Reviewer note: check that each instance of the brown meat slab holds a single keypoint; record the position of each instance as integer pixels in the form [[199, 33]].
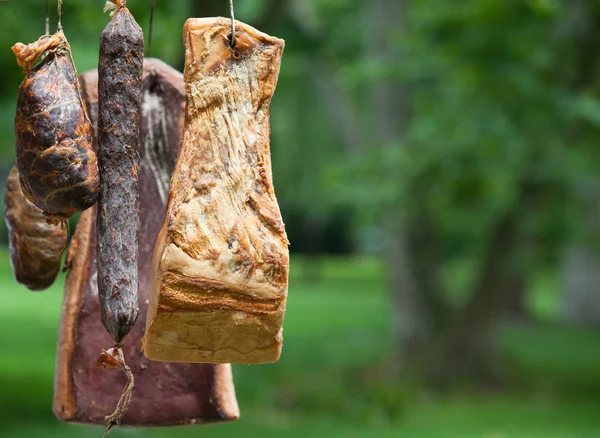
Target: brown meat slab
[[221, 259], [164, 394]]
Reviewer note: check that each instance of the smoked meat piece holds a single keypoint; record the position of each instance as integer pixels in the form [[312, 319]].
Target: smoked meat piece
[[120, 99], [165, 393], [57, 166], [221, 260], [36, 246]]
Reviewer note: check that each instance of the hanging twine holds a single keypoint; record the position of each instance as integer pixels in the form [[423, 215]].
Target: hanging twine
[[113, 359], [27, 54], [232, 24], [47, 17], [152, 5], [60, 29]]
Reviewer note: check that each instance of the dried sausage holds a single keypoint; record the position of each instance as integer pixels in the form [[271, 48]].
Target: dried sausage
[[57, 166], [120, 71]]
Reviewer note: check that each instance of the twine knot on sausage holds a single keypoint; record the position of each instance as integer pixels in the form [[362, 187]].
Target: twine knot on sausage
[[113, 359], [114, 6], [27, 54]]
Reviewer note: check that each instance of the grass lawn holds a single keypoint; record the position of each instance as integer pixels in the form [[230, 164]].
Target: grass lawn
[[327, 383]]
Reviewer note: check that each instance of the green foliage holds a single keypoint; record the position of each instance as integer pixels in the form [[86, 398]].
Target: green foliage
[[330, 381], [499, 96]]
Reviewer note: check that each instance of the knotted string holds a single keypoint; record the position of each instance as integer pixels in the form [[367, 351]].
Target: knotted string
[[114, 6], [113, 359]]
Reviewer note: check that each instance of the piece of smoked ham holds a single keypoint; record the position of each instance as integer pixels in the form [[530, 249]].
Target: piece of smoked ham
[[165, 393], [221, 260]]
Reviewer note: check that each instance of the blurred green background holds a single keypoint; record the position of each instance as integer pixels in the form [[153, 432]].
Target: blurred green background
[[437, 166]]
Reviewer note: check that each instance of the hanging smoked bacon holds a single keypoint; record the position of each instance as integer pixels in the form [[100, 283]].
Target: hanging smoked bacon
[[57, 167], [221, 261], [36, 246], [165, 393]]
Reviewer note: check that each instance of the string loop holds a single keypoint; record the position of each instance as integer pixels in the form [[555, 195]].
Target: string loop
[[60, 29], [152, 5], [113, 359], [232, 42], [47, 17]]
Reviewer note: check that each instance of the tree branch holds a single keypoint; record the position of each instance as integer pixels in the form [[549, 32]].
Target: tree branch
[[490, 296], [342, 110], [346, 117], [275, 11]]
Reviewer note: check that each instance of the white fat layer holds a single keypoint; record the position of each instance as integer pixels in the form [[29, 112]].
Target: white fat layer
[[155, 146], [176, 260], [94, 284]]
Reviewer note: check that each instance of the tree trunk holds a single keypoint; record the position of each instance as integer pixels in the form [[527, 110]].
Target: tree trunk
[[581, 279], [413, 319], [418, 306], [581, 262], [445, 345], [468, 349], [313, 233], [516, 307]]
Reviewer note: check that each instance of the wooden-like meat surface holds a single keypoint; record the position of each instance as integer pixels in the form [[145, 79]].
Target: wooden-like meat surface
[[221, 260], [164, 393]]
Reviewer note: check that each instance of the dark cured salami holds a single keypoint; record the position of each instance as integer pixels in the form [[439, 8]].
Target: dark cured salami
[[36, 247], [120, 96], [57, 167]]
